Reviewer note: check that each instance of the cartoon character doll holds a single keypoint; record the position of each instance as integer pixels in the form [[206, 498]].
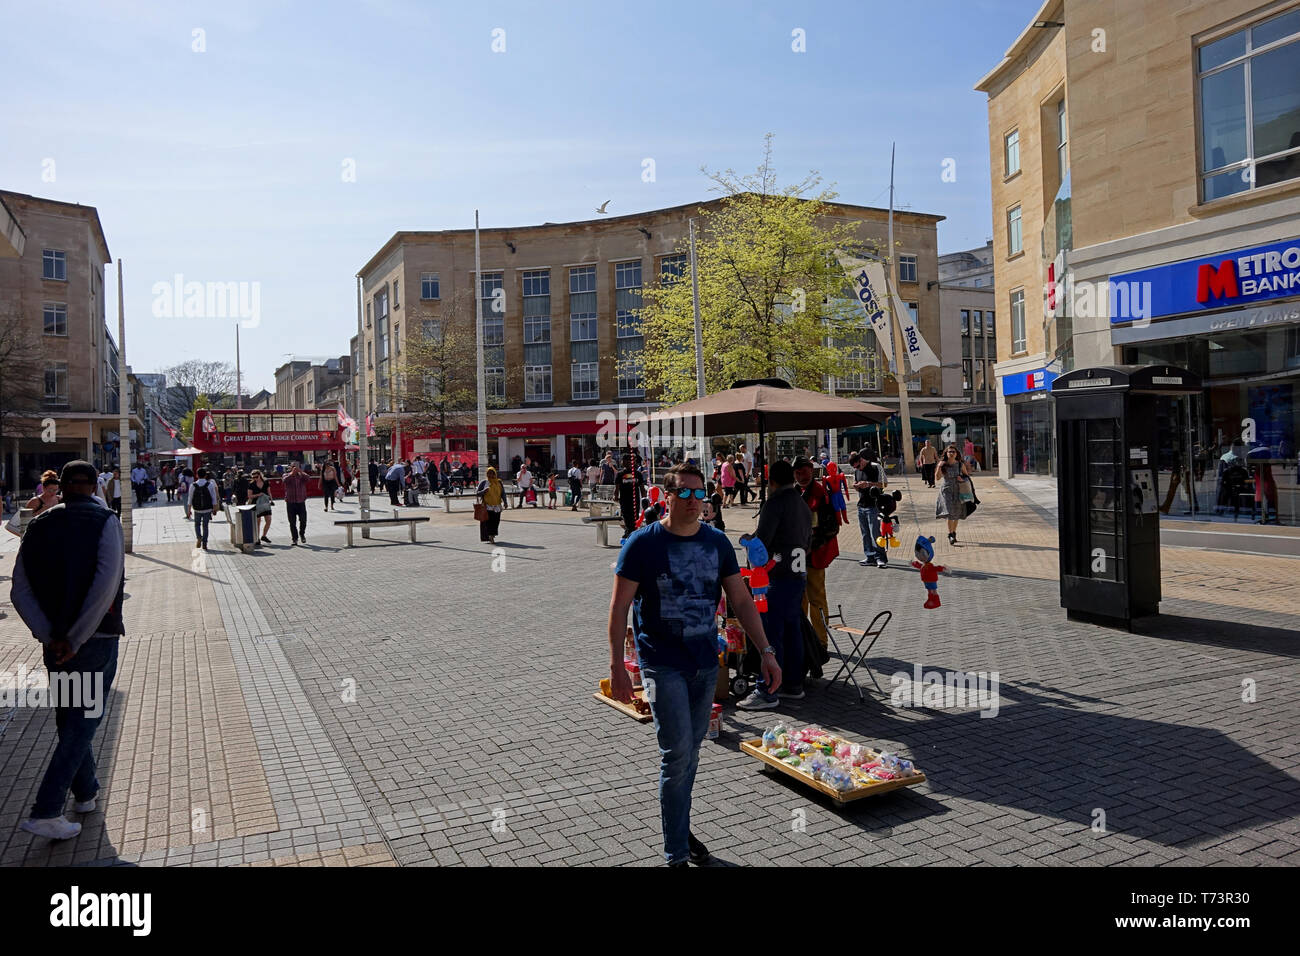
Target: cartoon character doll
[[836, 486], [756, 573], [885, 505], [929, 570], [653, 511]]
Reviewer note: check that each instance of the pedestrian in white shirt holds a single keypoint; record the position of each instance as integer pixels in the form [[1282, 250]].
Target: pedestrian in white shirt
[[139, 478]]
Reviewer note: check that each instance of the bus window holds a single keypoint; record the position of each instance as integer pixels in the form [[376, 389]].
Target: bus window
[[232, 423], [259, 423], [305, 423], [327, 423], [282, 423]]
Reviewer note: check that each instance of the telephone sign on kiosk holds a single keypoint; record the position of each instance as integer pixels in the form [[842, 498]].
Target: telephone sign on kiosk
[[1143, 491]]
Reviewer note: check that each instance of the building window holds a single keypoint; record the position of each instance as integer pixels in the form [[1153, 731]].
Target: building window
[[582, 304], [397, 337], [907, 268], [977, 326], [56, 383], [965, 375], [1011, 151], [914, 313], [56, 318], [1018, 342], [537, 383], [54, 265], [429, 285], [631, 380], [492, 294], [672, 267], [1062, 138], [1250, 95], [494, 384], [370, 355], [367, 315], [397, 298], [586, 380], [965, 321], [1014, 241], [627, 296], [989, 326]]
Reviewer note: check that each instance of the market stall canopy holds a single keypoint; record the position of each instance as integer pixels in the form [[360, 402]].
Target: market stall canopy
[[771, 405], [920, 426]]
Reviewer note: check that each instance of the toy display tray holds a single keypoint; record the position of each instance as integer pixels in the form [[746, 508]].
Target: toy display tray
[[626, 708], [841, 797]]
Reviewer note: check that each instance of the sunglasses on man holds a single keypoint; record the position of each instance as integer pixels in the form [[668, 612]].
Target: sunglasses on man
[[697, 492]]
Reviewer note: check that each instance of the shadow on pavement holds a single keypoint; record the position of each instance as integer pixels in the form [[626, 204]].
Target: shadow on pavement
[[1242, 637]]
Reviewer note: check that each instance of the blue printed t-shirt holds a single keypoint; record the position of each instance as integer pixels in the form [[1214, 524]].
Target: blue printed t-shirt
[[679, 582]]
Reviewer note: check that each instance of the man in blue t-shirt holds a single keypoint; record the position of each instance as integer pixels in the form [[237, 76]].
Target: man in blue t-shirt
[[673, 572]]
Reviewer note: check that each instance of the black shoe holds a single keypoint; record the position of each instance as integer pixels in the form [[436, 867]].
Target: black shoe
[[952, 537], [699, 852], [266, 539], [679, 863]]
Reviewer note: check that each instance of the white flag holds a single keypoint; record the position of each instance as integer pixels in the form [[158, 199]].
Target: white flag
[[918, 351], [867, 277]]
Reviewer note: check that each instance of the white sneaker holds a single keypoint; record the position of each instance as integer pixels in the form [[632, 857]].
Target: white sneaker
[[758, 701], [867, 563], [87, 806], [55, 828]]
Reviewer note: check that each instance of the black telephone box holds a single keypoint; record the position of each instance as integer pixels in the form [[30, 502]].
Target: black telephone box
[[1108, 466]]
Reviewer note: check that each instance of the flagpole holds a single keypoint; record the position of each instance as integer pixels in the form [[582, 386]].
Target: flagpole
[[239, 375], [904, 412], [699, 325], [478, 358], [363, 448]]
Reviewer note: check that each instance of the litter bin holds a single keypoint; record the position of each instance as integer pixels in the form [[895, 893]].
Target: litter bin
[[1108, 460], [243, 527]]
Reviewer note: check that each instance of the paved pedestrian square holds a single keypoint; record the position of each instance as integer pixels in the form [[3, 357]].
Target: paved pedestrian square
[[399, 704]]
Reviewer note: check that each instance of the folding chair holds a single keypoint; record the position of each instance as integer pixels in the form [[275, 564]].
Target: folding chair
[[858, 655]]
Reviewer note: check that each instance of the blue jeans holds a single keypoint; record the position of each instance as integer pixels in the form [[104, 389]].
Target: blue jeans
[[201, 519], [782, 623], [681, 702], [869, 525], [73, 763]]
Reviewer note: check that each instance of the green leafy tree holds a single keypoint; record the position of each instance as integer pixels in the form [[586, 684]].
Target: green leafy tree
[[772, 301], [187, 423]]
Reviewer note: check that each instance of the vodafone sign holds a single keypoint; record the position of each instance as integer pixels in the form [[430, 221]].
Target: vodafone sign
[[1234, 278]]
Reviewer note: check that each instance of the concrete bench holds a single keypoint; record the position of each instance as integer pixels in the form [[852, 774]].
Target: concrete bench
[[602, 523], [448, 499], [352, 523]]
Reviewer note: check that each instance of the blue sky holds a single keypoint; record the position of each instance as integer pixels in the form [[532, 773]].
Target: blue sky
[[227, 164]]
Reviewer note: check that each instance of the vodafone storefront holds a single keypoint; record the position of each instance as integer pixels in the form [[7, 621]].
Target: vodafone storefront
[[1232, 317], [552, 439]]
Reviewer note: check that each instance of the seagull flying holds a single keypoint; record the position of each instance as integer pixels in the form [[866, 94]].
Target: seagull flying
[[601, 209]]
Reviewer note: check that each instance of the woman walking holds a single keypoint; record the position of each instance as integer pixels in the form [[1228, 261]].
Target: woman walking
[[183, 482], [329, 483], [729, 480], [955, 475], [47, 496], [259, 493], [492, 494]]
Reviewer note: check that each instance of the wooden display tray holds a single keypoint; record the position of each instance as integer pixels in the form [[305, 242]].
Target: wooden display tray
[[841, 797], [626, 708]]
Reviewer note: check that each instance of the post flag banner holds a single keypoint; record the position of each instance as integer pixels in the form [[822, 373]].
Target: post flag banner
[[867, 277]]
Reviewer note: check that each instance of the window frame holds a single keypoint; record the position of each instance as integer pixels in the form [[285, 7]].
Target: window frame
[[912, 260], [1007, 146], [1019, 337], [56, 257], [532, 371], [590, 372], [1251, 161], [57, 308], [59, 398], [427, 279], [1019, 232]]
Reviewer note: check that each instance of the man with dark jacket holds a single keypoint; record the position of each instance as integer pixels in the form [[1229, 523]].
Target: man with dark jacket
[[630, 489], [68, 586], [824, 549], [785, 528], [374, 475]]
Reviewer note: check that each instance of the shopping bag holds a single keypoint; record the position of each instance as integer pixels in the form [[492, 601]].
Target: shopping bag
[[532, 495], [480, 512], [970, 502]]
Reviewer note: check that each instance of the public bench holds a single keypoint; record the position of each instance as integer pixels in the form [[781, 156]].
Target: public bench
[[352, 523], [602, 523], [448, 499]]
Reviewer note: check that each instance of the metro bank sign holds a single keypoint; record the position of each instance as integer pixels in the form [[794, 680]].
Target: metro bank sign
[[1214, 282]]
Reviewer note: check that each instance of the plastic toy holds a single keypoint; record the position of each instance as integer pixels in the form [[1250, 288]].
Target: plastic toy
[[756, 573], [654, 511], [929, 570], [837, 486], [885, 506]]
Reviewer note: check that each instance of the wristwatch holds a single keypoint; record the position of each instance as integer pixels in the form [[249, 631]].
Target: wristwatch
[[770, 650]]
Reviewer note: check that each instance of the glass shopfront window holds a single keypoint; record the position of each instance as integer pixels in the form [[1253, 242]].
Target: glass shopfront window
[[1033, 431], [1229, 453]]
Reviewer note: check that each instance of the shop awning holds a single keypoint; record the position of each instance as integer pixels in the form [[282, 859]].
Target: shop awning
[[964, 411], [920, 426]]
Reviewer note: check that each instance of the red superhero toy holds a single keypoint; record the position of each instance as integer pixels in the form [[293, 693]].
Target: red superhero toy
[[756, 573], [837, 486], [929, 570]]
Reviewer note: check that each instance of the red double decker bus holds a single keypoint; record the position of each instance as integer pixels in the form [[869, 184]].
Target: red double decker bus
[[267, 438]]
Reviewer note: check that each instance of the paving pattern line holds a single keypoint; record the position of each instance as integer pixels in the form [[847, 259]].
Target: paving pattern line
[[296, 753]]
